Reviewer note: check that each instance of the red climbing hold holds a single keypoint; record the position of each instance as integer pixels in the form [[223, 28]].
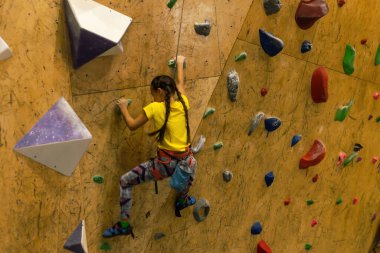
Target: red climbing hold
[[319, 85], [375, 159], [356, 199], [314, 156], [341, 158], [287, 201], [314, 223], [263, 91], [315, 178], [262, 247], [341, 2], [376, 95], [309, 11], [363, 41]]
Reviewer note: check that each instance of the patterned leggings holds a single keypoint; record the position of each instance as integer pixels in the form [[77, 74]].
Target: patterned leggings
[[143, 173]]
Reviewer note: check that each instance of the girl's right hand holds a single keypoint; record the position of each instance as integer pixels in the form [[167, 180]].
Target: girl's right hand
[[122, 103]]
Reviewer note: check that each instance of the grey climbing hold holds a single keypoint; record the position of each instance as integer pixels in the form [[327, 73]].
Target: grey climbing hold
[[241, 56], [255, 122], [201, 203], [233, 84], [271, 6], [203, 28], [198, 147], [306, 46], [227, 176], [158, 236], [208, 112]]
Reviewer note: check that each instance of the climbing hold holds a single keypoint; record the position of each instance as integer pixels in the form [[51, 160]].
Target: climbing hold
[[319, 85], [233, 84], [377, 58], [198, 147], [117, 108], [241, 56], [310, 202], [218, 145], [349, 159], [339, 201], [378, 119], [359, 159], [306, 46], [348, 60], [105, 246], [309, 11], [256, 228], [5, 51], [308, 246], [270, 44], [158, 236], [315, 178], [370, 117], [255, 122], [375, 159], [98, 179], [341, 2], [314, 156], [171, 63], [374, 216], [269, 178], [272, 124], [263, 91], [287, 201], [357, 147], [296, 138], [203, 28], [341, 158], [314, 223], [171, 3], [355, 201], [201, 203], [208, 112], [227, 176], [262, 247], [363, 41], [376, 95], [343, 111], [271, 6]]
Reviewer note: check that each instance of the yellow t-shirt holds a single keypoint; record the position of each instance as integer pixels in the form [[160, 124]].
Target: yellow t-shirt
[[175, 137]]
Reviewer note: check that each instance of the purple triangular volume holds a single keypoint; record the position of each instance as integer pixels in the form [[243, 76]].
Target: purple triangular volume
[[74, 243], [59, 124]]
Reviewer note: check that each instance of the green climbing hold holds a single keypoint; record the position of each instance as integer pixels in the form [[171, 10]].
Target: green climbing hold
[[378, 119], [339, 201], [349, 159], [171, 63], [377, 58], [308, 246], [208, 112], [241, 56], [105, 246], [348, 60], [343, 111], [310, 202], [218, 145], [98, 179], [171, 3]]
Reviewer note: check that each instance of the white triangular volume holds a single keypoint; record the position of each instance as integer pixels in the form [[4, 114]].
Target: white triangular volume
[[99, 19], [84, 238], [118, 49], [5, 51], [60, 156]]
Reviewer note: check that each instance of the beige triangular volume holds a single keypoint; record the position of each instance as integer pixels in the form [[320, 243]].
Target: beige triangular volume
[[5, 51], [60, 156], [118, 49]]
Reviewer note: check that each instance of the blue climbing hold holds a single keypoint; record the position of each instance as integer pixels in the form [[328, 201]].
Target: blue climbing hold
[[256, 228], [269, 178], [306, 46], [270, 44], [296, 138], [272, 124]]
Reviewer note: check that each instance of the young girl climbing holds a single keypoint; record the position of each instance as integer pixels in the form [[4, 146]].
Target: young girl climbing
[[174, 157]]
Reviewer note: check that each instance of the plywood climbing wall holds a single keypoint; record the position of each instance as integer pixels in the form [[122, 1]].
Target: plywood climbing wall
[[40, 208]]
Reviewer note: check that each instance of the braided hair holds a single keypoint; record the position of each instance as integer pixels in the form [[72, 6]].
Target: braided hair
[[168, 84]]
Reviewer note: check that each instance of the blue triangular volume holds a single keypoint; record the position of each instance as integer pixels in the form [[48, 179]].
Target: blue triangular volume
[[270, 44], [74, 243], [269, 178]]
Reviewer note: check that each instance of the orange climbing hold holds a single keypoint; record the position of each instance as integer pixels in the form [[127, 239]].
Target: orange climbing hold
[[319, 85], [363, 41], [315, 178], [314, 156], [262, 247], [376, 95], [341, 3]]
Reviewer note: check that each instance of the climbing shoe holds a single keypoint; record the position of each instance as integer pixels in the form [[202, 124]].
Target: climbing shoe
[[120, 228], [182, 203]]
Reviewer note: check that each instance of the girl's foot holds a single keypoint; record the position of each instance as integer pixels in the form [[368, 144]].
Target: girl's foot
[[182, 203], [120, 228]]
